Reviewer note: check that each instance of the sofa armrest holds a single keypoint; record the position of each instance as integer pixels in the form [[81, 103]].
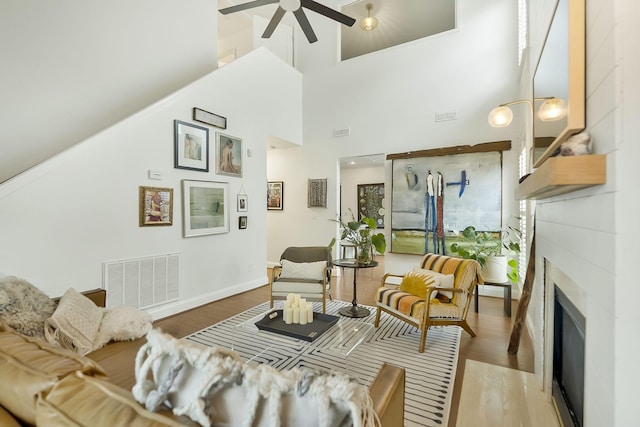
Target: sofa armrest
[[385, 282], [387, 393], [98, 296]]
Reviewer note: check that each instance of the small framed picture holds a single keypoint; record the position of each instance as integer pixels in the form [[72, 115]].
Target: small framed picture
[[242, 222], [317, 193], [209, 118], [156, 206], [205, 207], [275, 194], [229, 155], [243, 203], [191, 146]]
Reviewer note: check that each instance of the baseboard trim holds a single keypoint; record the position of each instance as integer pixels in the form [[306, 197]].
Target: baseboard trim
[[189, 303]]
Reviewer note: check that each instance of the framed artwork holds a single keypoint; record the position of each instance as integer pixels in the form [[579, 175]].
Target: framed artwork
[[205, 207], [156, 206], [243, 203], [371, 202], [229, 154], [191, 146], [209, 118], [435, 198], [317, 193], [275, 194], [242, 222]]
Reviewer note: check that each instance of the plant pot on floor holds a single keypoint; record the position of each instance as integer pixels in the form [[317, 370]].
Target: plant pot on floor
[[495, 269]]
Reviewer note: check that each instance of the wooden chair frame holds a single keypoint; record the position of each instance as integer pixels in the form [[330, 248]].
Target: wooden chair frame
[[426, 322]]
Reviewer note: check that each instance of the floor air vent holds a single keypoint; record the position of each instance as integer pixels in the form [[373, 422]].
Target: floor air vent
[[141, 282]]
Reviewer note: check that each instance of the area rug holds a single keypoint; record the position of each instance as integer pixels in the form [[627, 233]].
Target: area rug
[[429, 376]]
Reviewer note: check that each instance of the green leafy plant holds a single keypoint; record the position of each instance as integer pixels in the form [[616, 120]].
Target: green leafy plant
[[361, 232], [481, 245]]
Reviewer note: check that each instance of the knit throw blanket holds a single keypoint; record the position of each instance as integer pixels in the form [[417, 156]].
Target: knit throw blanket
[[213, 386]]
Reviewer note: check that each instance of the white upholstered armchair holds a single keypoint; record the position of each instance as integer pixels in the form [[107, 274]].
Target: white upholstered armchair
[[303, 270]]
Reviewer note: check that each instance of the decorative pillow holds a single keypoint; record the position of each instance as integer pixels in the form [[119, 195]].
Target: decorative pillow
[[416, 284], [24, 307], [122, 324], [445, 280], [303, 270], [75, 323]]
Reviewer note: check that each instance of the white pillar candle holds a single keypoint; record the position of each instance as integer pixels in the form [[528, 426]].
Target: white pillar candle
[[289, 298], [296, 315], [309, 312], [287, 315], [303, 314], [303, 301]]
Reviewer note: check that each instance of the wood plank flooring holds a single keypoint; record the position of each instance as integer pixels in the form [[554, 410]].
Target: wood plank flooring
[[489, 346]]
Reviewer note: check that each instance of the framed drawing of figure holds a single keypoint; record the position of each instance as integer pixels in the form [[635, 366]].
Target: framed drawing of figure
[[229, 153]]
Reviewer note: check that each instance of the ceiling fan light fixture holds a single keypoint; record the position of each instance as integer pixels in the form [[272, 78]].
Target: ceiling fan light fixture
[[290, 5], [370, 22]]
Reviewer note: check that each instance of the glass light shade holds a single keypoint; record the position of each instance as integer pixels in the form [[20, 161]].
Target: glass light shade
[[500, 117], [369, 23], [552, 109]]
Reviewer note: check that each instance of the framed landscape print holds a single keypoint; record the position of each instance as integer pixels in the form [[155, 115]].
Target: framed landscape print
[[156, 206], [191, 146], [229, 155], [205, 207], [275, 193]]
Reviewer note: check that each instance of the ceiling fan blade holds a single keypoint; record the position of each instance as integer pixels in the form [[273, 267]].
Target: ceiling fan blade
[[245, 6], [328, 12], [305, 25], [275, 20]]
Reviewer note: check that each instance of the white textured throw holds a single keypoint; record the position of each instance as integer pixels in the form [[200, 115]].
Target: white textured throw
[[213, 385]]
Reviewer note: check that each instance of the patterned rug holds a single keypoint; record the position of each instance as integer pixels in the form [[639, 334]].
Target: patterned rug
[[429, 376]]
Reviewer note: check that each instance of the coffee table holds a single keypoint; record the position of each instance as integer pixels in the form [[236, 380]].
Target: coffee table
[[341, 339]]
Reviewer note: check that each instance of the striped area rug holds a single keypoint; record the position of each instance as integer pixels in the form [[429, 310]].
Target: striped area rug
[[429, 376]]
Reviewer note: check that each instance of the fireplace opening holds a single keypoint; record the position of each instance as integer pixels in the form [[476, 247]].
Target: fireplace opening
[[568, 360]]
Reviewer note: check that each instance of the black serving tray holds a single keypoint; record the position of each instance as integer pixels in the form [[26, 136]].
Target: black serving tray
[[309, 332]]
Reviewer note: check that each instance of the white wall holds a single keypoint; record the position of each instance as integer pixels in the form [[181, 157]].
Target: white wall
[[392, 108], [591, 235], [71, 68], [62, 219]]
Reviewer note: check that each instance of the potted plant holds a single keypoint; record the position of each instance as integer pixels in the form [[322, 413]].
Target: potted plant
[[363, 234], [491, 250]]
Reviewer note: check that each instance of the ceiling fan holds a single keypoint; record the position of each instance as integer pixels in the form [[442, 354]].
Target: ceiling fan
[[294, 6]]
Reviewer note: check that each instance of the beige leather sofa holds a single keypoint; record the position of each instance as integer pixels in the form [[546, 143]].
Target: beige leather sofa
[[45, 385]]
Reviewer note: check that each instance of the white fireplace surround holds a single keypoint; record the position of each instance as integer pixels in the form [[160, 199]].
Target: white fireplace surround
[[555, 276]]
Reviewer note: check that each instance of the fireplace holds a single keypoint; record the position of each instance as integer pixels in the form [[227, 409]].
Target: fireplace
[[568, 359]]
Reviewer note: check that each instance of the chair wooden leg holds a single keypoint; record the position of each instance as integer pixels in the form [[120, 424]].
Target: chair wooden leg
[[377, 322], [271, 303], [423, 339], [467, 328], [324, 306]]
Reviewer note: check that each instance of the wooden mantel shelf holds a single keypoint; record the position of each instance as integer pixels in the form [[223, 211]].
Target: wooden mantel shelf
[[559, 175]]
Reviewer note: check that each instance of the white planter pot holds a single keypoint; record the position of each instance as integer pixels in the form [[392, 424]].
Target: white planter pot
[[495, 269]]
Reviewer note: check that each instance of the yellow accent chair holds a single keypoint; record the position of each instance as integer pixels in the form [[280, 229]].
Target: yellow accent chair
[[303, 270], [447, 283]]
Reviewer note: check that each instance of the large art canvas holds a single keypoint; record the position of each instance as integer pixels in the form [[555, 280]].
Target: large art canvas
[[435, 198]]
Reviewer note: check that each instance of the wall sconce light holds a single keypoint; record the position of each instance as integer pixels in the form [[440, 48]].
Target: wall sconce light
[[551, 109], [370, 22]]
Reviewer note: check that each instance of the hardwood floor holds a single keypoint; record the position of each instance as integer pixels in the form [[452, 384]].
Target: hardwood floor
[[492, 328]]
